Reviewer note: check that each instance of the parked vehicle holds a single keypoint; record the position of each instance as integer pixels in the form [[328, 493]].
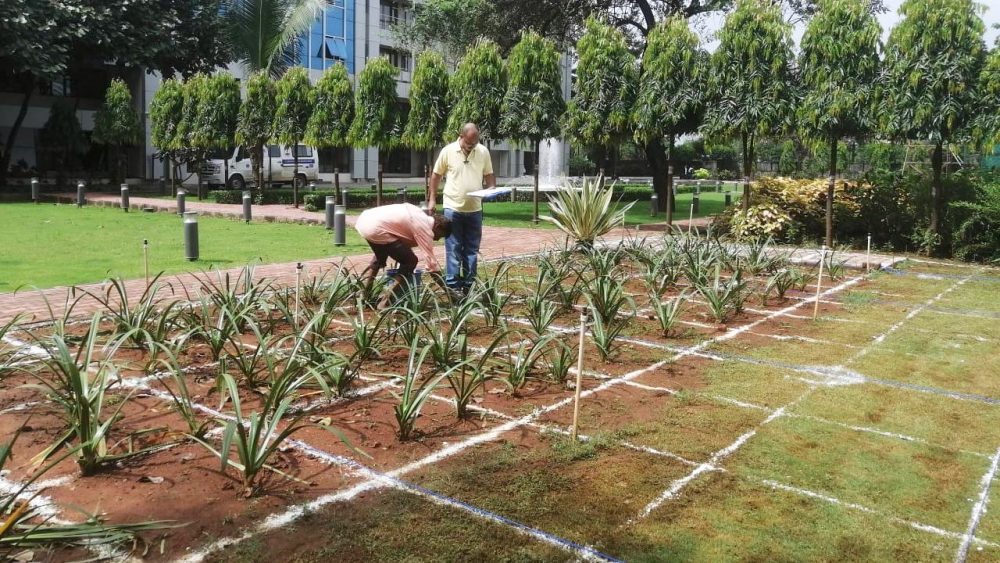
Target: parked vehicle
[[278, 165]]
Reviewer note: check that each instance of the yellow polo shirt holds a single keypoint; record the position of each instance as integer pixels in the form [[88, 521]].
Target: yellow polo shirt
[[463, 174]]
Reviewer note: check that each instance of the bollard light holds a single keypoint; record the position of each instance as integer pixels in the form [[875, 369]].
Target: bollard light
[[125, 198], [247, 206], [181, 194], [81, 198], [191, 235], [401, 195], [34, 190], [312, 186], [345, 198], [729, 199], [331, 205], [340, 226], [696, 202], [654, 205]]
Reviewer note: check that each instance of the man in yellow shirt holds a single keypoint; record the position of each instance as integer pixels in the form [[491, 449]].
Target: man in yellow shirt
[[465, 165]]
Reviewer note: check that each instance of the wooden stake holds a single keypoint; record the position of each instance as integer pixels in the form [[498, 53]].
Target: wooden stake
[[145, 259], [819, 281], [691, 219], [579, 375]]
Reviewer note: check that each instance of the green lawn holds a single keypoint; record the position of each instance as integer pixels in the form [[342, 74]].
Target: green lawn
[[53, 245], [506, 214]]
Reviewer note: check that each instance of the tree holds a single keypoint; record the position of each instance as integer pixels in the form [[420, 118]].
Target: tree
[[43, 39], [670, 100], [987, 124], [116, 124], [376, 109], [265, 35], [217, 113], [185, 144], [429, 107], [62, 134], [255, 125], [476, 91], [165, 112], [599, 114], [934, 57], [293, 95], [751, 87], [533, 105], [839, 69], [332, 111]]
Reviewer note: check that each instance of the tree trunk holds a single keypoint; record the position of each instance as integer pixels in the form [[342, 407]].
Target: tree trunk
[[829, 191], [657, 159], [747, 169], [671, 202], [295, 174], [538, 148], [937, 197], [29, 88]]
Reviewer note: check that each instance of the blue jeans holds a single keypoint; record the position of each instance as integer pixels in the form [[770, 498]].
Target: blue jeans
[[462, 247]]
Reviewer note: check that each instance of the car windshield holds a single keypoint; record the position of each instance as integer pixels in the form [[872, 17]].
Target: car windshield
[[220, 154]]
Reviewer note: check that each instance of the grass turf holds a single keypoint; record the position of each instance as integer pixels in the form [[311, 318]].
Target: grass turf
[[53, 245]]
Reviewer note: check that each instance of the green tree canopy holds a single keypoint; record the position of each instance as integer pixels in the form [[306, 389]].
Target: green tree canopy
[[165, 113], [933, 62], [600, 112], [533, 104], [751, 88], [333, 109], [217, 111], [293, 96], [476, 91], [987, 124], [116, 123], [376, 107], [839, 69], [428, 116], [187, 128], [255, 125]]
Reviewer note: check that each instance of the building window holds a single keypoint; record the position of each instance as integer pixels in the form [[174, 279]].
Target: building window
[[399, 59], [392, 14]]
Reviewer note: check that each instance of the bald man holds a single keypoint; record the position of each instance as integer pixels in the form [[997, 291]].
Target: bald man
[[465, 165]]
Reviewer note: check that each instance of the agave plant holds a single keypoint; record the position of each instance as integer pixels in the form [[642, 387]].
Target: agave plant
[[78, 384], [493, 292], [667, 312], [560, 270], [833, 266], [144, 319], [471, 374], [242, 296], [251, 359], [605, 334], [332, 369], [181, 396], [26, 527], [756, 257], [560, 360], [724, 296], [414, 395], [257, 437], [521, 363], [587, 213], [216, 326], [661, 273], [444, 332], [781, 281], [607, 298], [7, 355]]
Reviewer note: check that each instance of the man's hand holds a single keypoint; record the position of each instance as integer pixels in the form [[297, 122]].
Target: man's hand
[[429, 208]]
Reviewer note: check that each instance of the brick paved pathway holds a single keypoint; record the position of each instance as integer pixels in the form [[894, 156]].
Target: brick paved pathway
[[498, 242]]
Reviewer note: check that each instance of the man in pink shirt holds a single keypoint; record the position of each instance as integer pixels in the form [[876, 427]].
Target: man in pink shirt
[[392, 231]]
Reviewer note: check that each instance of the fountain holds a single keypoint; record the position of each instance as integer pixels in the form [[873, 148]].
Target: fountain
[[552, 160]]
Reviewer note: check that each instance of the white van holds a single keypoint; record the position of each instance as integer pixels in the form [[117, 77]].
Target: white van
[[278, 164]]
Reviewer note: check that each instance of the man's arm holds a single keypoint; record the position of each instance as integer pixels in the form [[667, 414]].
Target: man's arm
[[491, 181], [432, 192]]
